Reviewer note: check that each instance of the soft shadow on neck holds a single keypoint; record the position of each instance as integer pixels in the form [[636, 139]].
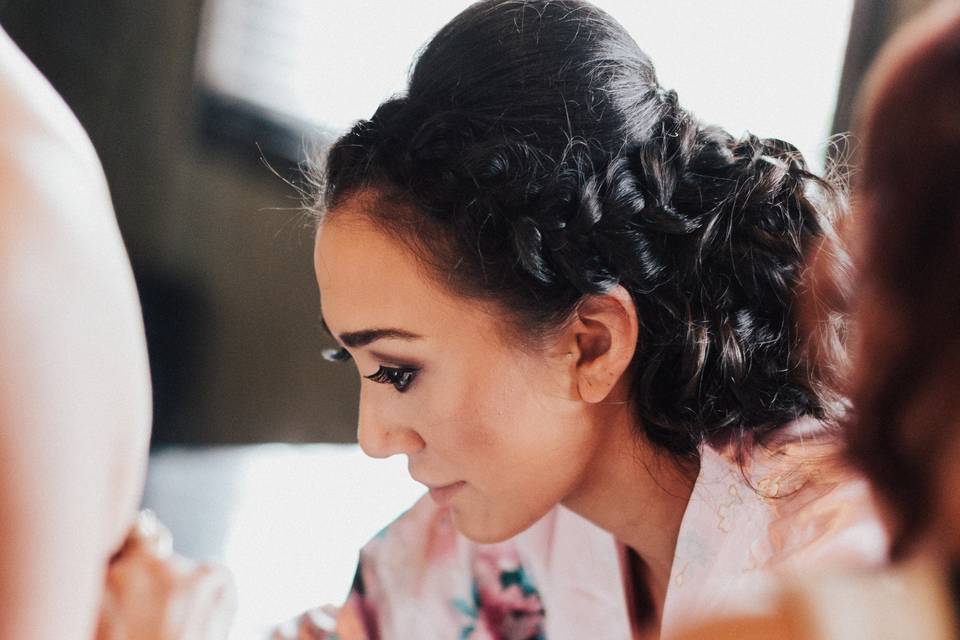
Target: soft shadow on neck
[[639, 494]]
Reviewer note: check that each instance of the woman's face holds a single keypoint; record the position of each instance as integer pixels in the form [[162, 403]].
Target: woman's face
[[497, 432]]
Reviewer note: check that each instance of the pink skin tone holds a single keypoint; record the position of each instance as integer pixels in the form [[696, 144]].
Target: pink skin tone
[[500, 433]]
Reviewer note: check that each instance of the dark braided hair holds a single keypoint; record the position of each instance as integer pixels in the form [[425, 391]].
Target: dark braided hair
[[535, 160]]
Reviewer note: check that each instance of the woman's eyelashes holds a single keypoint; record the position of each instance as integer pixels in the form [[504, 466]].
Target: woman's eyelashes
[[400, 377]]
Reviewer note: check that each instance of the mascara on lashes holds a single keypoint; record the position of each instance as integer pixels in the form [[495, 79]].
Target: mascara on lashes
[[400, 377]]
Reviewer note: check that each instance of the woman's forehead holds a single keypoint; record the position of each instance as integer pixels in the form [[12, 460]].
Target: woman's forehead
[[368, 278], [359, 268]]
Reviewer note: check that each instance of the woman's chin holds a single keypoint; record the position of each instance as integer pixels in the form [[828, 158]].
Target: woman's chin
[[486, 530]]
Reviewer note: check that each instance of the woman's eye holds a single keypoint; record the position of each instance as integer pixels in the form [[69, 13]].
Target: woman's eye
[[399, 377]]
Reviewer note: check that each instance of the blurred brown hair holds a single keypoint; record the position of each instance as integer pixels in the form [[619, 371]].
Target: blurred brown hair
[[906, 384]]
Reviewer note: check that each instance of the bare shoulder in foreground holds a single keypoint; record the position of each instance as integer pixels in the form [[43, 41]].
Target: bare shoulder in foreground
[[74, 384]]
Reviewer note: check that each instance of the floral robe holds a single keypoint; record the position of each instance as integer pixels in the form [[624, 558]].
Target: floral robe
[[789, 509]]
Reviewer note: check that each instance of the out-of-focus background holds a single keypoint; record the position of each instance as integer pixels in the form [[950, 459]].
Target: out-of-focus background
[[183, 99], [202, 112]]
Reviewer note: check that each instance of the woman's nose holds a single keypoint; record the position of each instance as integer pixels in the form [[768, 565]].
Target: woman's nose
[[382, 437]]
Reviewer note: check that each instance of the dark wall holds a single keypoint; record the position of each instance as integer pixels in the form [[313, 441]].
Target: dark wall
[[872, 23], [222, 256]]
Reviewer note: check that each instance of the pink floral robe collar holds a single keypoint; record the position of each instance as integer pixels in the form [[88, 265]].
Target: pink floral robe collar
[[787, 510]]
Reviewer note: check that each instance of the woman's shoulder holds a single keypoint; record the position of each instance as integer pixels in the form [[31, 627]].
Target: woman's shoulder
[[808, 505], [776, 511], [82, 388], [75, 397], [35, 114], [822, 512]]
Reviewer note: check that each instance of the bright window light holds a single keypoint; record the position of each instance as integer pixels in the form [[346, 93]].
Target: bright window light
[[288, 521], [770, 67]]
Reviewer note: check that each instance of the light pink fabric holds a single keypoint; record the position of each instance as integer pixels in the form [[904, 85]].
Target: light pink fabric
[[909, 600], [791, 509]]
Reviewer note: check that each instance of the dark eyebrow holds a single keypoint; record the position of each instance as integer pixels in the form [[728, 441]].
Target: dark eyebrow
[[356, 339]]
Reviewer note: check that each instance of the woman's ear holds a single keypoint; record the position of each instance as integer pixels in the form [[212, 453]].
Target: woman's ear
[[602, 340]]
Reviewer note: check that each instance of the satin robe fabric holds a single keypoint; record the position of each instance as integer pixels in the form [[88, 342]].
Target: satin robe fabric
[[789, 508]]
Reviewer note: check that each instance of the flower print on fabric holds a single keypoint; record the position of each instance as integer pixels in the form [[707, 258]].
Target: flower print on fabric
[[505, 603]]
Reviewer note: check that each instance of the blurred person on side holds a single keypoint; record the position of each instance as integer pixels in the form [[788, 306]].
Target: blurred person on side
[[75, 400], [904, 432]]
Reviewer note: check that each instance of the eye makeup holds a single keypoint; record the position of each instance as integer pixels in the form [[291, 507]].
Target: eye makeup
[[400, 377]]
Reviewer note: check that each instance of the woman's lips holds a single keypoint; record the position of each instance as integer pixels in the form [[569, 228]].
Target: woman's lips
[[443, 495]]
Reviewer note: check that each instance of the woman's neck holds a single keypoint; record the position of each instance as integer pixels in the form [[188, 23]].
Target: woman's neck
[[638, 494]]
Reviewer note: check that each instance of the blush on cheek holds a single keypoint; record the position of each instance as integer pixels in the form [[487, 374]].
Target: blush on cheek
[[465, 417]]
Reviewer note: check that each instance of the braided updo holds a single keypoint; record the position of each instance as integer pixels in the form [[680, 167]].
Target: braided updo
[[535, 160]]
